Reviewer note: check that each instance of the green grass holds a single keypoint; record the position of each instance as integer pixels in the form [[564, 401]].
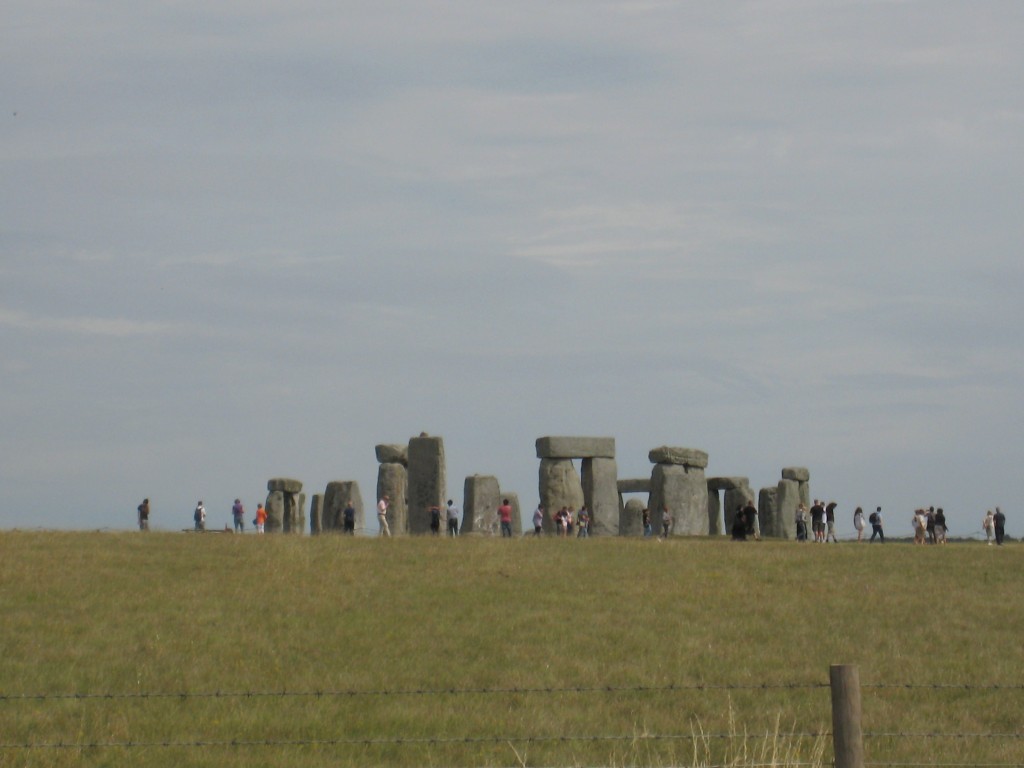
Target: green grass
[[196, 614]]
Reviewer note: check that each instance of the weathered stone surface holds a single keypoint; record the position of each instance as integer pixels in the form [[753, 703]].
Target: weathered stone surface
[[558, 486], [393, 480], [805, 495], [294, 513], [601, 495], [481, 498], [635, 485], [336, 498], [575, 447], [392, 454], [787, 499], [285, 484], [738, 496], [684, 457], [800, 474], [631, 521], [428, 483], [275, 512], [316, 516], [768, 509], [715, 525], [685, 490], [727, 483]]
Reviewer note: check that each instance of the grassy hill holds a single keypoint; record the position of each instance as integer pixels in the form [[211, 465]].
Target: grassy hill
[[244, 650]]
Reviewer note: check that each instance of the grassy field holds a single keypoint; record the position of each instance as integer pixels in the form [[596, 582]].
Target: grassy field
[[374, 623]]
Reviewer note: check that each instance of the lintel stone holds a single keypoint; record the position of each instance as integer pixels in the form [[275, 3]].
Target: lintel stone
[[392, 454], [685, 457], [635, 485], [284, 485], [800, 474], [575, 447], [727, 483]]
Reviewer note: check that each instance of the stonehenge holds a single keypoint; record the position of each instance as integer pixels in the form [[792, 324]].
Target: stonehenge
[[413, 476]]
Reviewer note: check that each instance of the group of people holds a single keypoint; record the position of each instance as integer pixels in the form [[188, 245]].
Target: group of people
[[929, 525], [994, 525], [199, 516]]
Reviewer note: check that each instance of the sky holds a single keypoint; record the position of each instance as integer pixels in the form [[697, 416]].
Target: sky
[[245, 240]]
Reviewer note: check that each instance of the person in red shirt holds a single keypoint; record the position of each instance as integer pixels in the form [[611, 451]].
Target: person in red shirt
[[505, 515], [261, 518]]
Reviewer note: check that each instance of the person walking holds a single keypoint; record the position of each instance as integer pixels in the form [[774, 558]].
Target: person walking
[[801, 522], [818, 521], [940, 526], [1000, 525], [144, 515], [584, 523], [382, 515], [261, 519], [750, 517], [666, 521], [988, 525], [199, 516], [858, 522], [830, 522], [646, 517], [452, 515], [238, 516], [876, 525], [348, 517], [435, 519], [538, 520]]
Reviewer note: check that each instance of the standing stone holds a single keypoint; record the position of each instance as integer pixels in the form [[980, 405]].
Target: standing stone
[[559, 486], [482, 497], [336, 497], [427, 481], [393, 479], [737, 496], [805, 494], [294, 513], [715, 526], [275, 512], [684, 489], [316, 516], [787, 498], [601, 494], [631, 523], [768, 509]]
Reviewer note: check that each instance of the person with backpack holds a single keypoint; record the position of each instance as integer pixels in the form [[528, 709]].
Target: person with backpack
[[144, 515], [876, 525], [199, 516]]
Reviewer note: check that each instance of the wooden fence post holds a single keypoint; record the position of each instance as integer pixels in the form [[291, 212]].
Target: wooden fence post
[[847, 740]]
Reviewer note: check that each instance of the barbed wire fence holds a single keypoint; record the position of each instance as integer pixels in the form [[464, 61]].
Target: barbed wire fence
[[847, 735]]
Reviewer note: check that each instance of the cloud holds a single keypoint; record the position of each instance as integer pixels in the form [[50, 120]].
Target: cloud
[[84, 326]]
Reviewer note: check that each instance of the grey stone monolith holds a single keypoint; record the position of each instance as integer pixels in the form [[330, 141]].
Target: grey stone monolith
[[428, 484], [275, 512], [316, 513], [481, 499], [600, 482], [768, 510], [631, 522], [787, 499], [575, 447], [684, 489], [559, 486], [715, 526], [294, 513], [336, 498], [393, 480]]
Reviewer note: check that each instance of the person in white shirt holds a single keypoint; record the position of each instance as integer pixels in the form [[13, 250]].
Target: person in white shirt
[[382, 515]]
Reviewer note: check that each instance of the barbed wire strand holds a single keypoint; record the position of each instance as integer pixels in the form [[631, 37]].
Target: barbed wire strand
[[425, 741], [672, 687]]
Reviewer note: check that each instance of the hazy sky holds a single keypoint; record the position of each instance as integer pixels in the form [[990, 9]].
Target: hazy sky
[[253, 239]]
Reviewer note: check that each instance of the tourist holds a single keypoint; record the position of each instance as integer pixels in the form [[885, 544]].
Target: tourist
[[583, 523], [538, 520], [261, 518], [750, 517], [199, 516], [929, 519], [801, 522], [876, 525], [920, 523], [348, 517], [382, 515], [666, 521], [940, 526], [858, 522], [830, 522], [570, 519], [646, 517], [435, 519], [818, 521], [560, 522], [989, 526], [144, 515], [453, 519], [505, 516], [238, 516], [739, 525], [1000, 526]]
